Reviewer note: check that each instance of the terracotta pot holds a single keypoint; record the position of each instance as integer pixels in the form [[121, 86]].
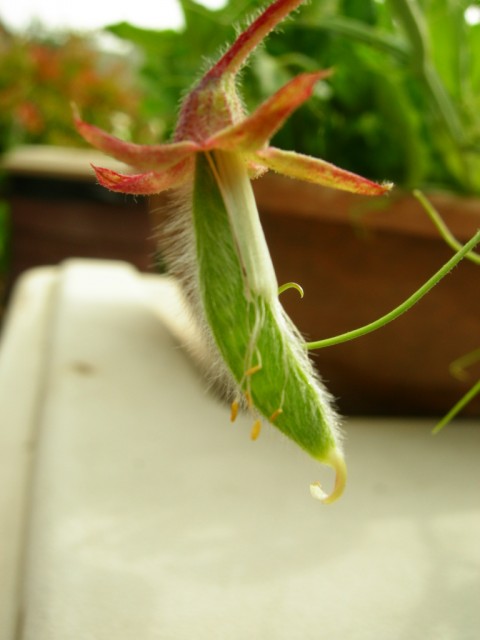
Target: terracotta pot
[[357, 258], [58, 211]]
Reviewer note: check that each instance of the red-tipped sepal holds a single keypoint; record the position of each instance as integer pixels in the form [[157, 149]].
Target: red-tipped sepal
[[255, 131], [309, 169], [147, 183], [236, 56], [148, 157]]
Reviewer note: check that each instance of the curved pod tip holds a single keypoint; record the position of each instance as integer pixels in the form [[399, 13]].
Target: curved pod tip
[[337, 462]]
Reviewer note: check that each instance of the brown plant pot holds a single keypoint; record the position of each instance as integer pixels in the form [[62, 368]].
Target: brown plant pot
[[58, 211], [357, 258]]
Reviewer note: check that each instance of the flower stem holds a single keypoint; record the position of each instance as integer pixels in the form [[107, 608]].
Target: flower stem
[[458, 366], [407, 304], [464, 400], [442, 228]]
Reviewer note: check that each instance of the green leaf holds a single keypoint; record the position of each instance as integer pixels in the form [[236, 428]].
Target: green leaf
[[447, 30]]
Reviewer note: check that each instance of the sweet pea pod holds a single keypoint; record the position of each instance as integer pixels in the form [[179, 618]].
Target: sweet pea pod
[[256, 339], [217, 246], [218, 250]]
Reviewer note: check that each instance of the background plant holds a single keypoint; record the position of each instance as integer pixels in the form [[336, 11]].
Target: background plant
[[41, 73], [404, 101]]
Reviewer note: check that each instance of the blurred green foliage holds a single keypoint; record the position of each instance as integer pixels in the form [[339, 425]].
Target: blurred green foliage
[[403, 103]]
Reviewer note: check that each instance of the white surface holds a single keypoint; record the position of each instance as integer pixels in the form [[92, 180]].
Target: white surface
[[23, 351], [56, 162], [152, 517]]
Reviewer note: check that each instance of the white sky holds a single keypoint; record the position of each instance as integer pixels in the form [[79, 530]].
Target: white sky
[[92, 14]]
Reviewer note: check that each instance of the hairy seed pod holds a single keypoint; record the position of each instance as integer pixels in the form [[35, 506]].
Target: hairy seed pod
[[256, 339]]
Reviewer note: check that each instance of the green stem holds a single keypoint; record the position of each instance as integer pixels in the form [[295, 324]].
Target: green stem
[[457, 368], [464, 400], [405, 306], [442, 227]]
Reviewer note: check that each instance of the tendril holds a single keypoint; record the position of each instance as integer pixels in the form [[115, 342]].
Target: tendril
[[291, 285]]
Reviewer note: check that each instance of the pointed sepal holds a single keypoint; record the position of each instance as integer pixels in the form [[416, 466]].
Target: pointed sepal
[[154, 157], [309, 169], [235, 57], [255, 131], [147, 183]]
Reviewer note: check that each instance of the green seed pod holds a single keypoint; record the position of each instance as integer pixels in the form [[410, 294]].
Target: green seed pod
[[216, 243], [269, 369]]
